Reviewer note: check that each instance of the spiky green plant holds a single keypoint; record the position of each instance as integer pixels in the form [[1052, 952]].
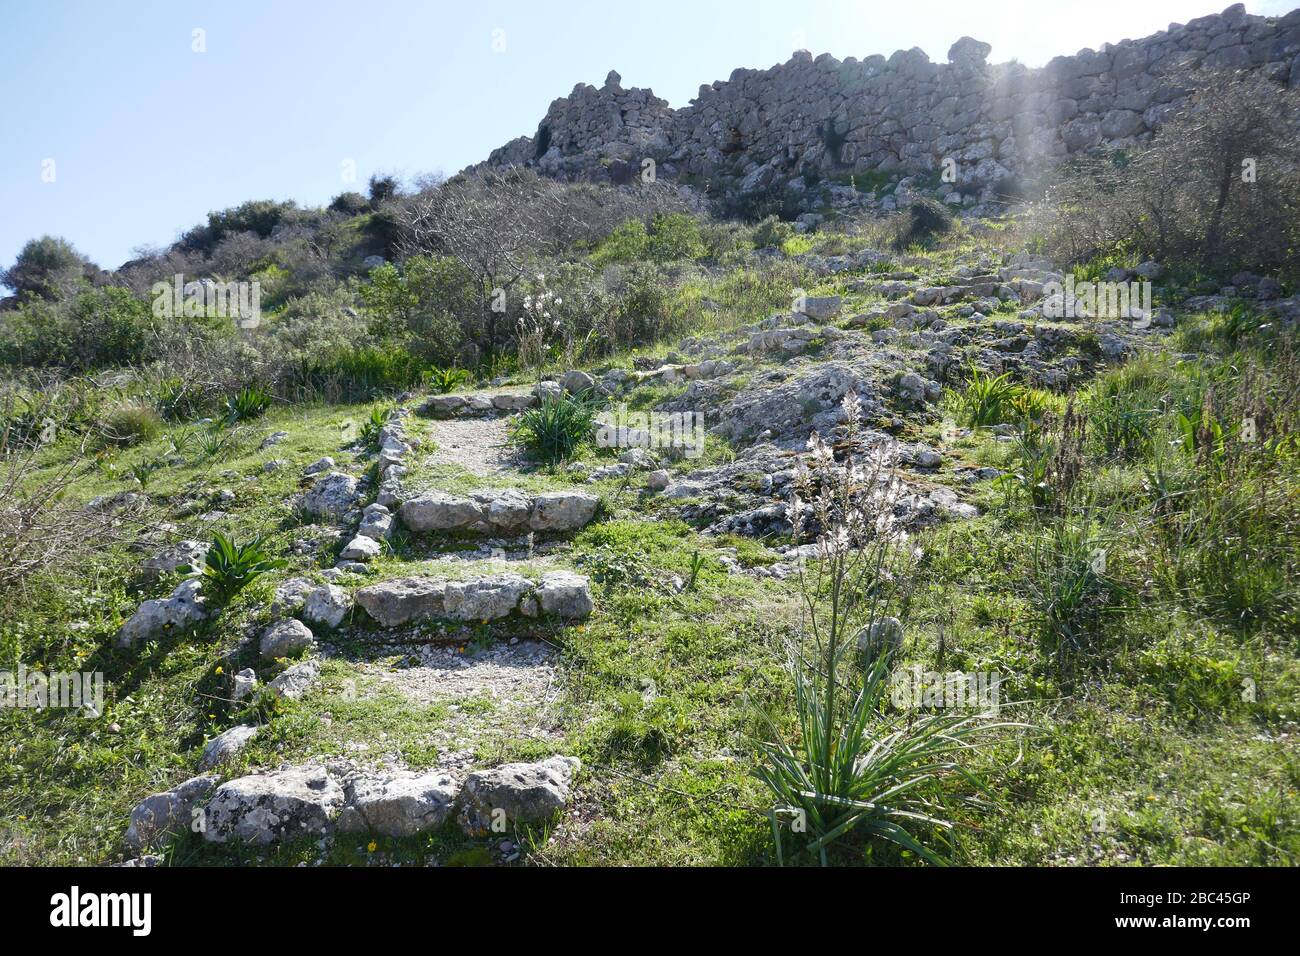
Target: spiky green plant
[[853, 767], [249, 402], [230, 567], [443, 380], [557, 427], [989, 399]]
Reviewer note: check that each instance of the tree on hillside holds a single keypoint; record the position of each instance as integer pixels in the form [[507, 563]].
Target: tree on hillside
[[48, 267], [494, 224]]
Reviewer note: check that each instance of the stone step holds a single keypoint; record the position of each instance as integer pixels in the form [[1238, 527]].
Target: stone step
[[405, 600], [496, 512]]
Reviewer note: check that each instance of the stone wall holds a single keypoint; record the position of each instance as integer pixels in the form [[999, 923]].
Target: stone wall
[[763, 127]]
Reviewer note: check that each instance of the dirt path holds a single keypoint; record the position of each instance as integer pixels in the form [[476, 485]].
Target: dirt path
[[475, 444]]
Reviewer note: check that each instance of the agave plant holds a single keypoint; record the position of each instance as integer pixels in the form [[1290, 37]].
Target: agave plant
[[557, 427], [249, 402], [443, 380], [853, 767], [230, 567]]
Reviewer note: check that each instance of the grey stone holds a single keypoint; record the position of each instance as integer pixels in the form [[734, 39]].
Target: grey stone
[[562, 510], [159, 818], [519, 792], [183, 608], [226, 746], [264, 808], [397, 602], [401, 805], [285, 639], [297, 680], [331, 496], [326, 606]]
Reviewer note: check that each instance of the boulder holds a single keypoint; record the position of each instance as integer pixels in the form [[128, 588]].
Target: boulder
[[330, 497], [400, 805], [485, 599], [361, 548], [226, 746], [326, 606], [398, 602], [562, 510], [519, 792], [285, 639], [297, 680], [158, 818], [183, 609], [576, 381], [564, 594], [437, 511], [264, 808]]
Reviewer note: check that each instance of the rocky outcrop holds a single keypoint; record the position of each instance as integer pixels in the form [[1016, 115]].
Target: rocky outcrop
[[762, 129]]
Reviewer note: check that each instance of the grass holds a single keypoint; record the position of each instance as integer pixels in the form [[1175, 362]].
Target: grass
[[1167, 741]]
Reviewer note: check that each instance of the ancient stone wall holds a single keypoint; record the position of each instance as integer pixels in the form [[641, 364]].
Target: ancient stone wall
[[763, 127]]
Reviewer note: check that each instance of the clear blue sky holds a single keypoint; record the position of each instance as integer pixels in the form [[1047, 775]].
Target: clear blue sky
[[147, 136]]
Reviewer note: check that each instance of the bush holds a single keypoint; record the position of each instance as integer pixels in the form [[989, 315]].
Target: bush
[[1186, 200], [675, 236], [920, 224], [48, 268], [555, 430], [96, 328], [627, 243], [130, 424], [772, 233]]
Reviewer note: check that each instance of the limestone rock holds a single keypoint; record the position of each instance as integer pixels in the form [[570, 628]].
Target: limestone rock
[[326, 606], [297, 680], [264, 808], [400, 805], [521, 792], [286, 639], [158, 818], [397, 602], [184, 608], [226, 746]]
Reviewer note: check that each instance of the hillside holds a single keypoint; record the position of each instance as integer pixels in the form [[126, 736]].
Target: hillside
[[792, 506]]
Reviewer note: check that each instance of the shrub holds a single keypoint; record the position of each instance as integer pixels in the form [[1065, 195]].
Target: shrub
[[48, 267], [920, 224], [1185, 200], [554, 430], [248, 403], [349, 203], [675, 236], [130, 424], [627, 243]]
